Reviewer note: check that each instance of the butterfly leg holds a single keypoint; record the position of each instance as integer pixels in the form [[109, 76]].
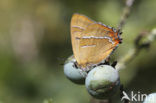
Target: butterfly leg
[[114, 64]]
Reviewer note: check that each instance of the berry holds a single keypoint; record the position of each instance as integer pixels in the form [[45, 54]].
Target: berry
[[102, 81], [151, 98], [74, 73]]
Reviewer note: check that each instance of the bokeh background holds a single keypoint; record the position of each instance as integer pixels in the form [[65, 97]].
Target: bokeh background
[[35, 41]]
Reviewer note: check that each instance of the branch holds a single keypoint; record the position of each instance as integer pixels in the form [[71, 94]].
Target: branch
[[125, 14], [143, 41]]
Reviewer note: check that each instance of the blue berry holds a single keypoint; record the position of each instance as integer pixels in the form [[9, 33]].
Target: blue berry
[[74, 73], [151, 98]]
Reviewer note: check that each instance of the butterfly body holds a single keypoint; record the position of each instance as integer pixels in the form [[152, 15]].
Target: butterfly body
[[92, 42]]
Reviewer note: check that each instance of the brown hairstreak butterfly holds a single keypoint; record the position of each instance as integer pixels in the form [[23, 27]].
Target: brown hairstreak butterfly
[[92, 42]]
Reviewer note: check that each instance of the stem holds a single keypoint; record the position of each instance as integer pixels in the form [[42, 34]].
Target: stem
[[125, 14], [132, 53]]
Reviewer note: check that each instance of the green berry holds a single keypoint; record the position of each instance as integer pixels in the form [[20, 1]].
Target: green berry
[[102, 81]]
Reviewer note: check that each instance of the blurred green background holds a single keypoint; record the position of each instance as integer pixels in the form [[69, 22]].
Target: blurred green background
[[35, 41]]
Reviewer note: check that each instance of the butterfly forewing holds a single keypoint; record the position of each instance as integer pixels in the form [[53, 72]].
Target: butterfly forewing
[[80, 21], [91, 42]]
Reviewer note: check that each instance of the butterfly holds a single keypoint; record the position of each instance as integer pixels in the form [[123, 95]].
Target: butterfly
[[92, 42]]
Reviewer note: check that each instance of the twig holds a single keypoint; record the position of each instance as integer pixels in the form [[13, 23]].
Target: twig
[[139, 45], [125, 14]]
